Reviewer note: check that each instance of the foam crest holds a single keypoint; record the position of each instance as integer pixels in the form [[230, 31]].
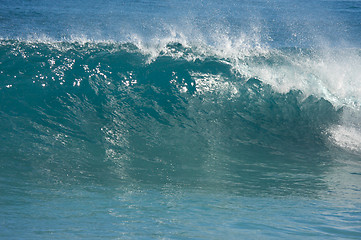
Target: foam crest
[[333, 74]]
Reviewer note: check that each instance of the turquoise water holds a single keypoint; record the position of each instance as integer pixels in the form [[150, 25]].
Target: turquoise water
[[180, 120]]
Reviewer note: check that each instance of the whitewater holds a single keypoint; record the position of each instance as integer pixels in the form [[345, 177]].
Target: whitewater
[[180, 120]]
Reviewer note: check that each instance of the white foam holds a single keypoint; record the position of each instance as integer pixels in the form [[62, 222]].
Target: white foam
[[333, 74], [346, 137]]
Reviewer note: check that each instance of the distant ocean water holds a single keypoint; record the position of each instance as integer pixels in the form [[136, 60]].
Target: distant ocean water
[[180, 119]]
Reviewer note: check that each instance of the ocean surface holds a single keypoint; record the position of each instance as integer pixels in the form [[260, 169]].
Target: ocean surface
[[170, 119]]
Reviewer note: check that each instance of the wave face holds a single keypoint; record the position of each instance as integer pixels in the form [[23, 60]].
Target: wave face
[[175, 114]]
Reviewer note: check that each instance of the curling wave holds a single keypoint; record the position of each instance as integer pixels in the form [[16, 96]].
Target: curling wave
[[133, 110]]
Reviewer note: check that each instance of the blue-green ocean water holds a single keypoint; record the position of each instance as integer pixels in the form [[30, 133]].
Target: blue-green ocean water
[[180, 119]]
